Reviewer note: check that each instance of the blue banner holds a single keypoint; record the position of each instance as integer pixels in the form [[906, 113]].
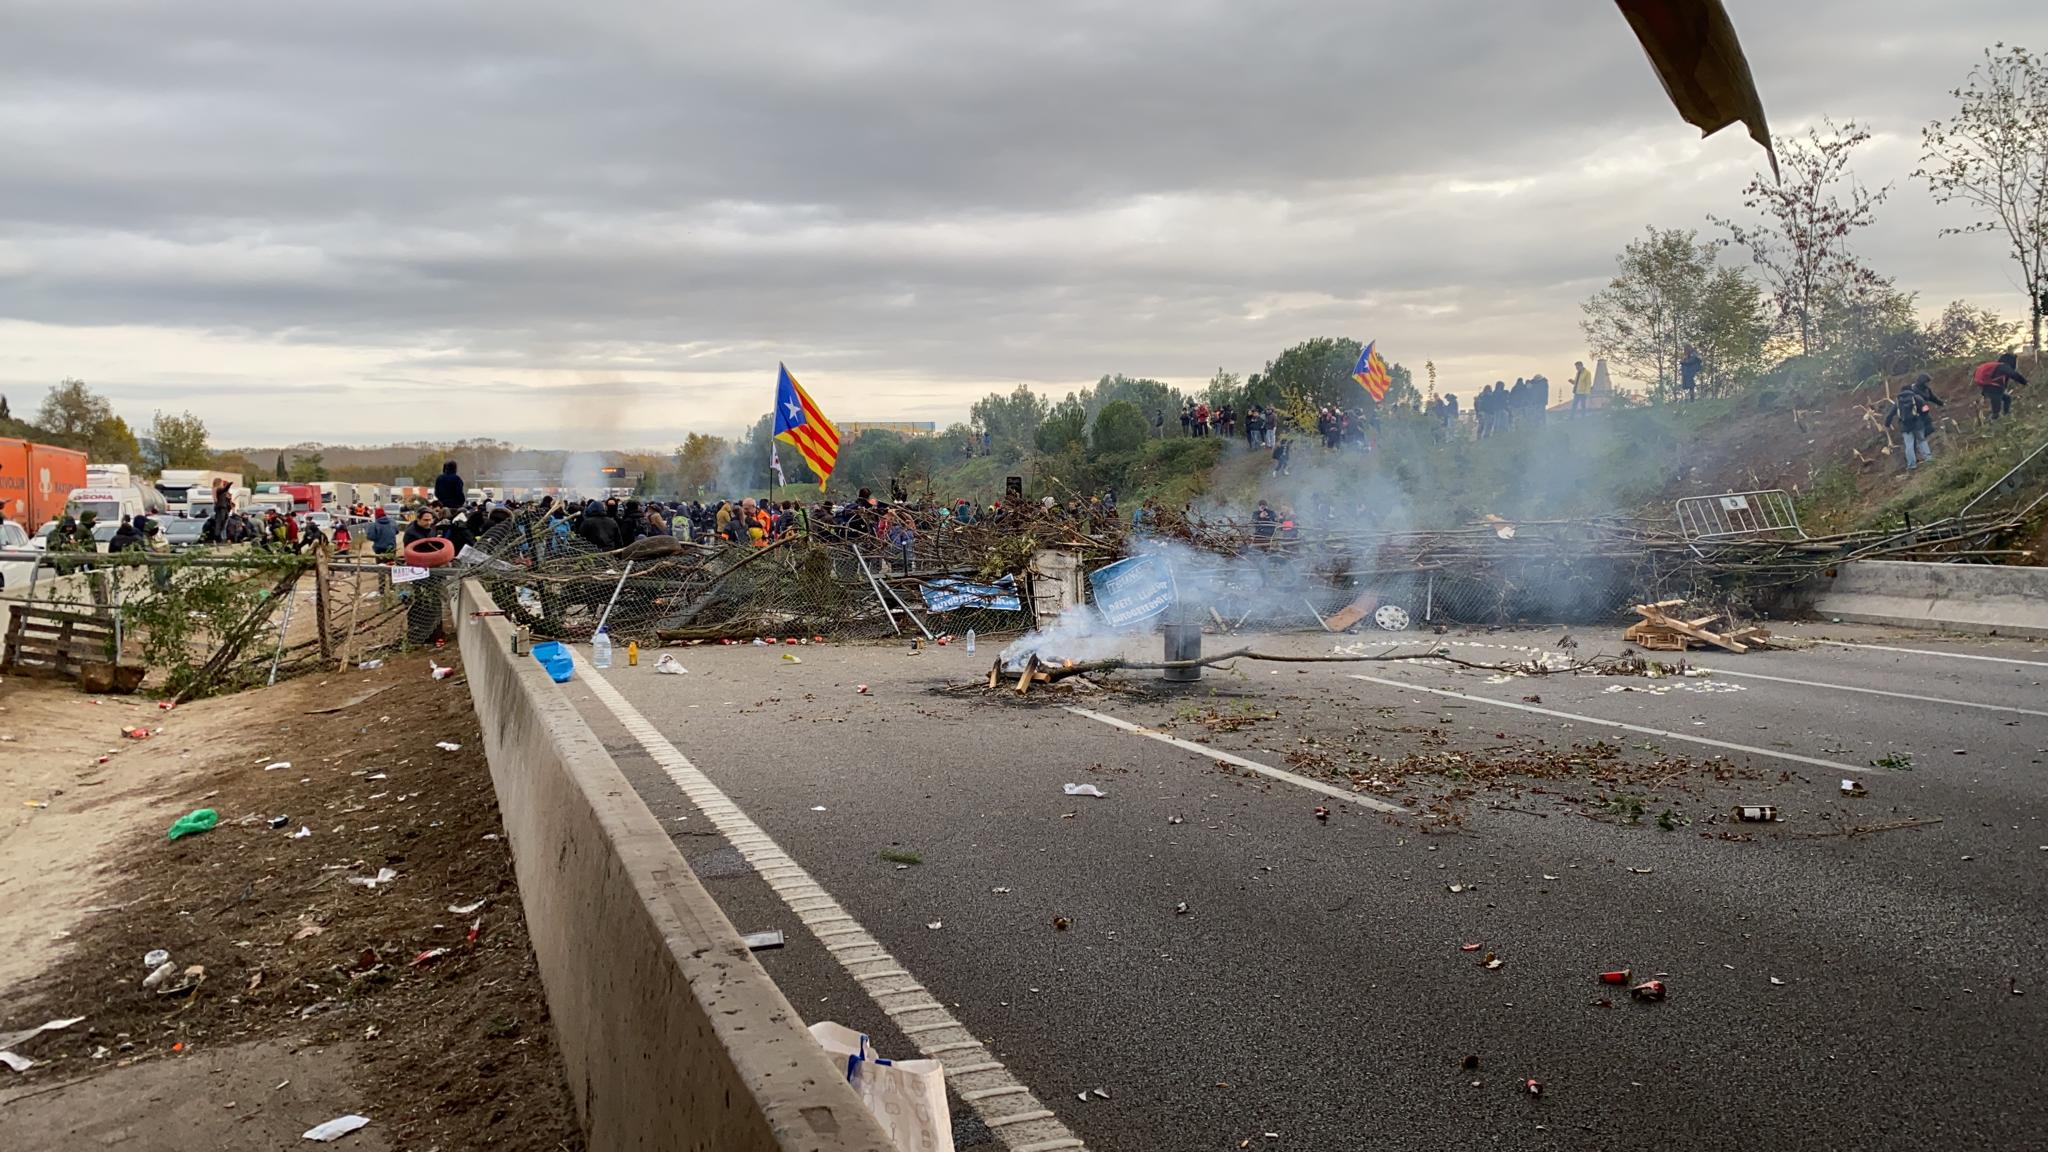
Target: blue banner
[[947, 593], [1132, 591]]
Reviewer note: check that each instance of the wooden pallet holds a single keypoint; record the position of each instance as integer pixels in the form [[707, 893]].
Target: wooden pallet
[[54, 642], [1660, 631]]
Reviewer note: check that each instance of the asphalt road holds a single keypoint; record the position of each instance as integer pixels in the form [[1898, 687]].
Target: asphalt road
[[1856, 975]]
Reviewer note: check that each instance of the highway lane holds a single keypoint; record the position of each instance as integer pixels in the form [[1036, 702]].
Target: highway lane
[[1317, 971]]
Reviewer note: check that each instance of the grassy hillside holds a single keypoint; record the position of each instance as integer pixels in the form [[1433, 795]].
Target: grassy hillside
[[1828, 447]]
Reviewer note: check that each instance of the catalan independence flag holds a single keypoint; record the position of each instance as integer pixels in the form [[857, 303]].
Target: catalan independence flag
[[1371, 373], [799, 424]]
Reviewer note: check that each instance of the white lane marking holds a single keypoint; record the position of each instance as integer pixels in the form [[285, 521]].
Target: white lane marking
[[1877, 692], [1830, 765], [1331, 791], [1930, 652], [1016, 1116]]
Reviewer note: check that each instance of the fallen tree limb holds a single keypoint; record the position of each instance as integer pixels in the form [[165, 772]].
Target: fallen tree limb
[[1118, 663]]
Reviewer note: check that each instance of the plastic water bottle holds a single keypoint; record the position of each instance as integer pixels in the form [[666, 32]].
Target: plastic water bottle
[[970, 641], [601, 649]]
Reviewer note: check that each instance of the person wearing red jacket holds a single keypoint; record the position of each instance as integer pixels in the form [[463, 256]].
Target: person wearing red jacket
[[1993, 378]]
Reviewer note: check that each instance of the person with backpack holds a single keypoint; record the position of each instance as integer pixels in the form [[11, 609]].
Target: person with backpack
[[1909, 412], [1993, 378]]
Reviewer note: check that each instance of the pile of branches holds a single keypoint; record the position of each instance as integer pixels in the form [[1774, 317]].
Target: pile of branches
[[661, 589]]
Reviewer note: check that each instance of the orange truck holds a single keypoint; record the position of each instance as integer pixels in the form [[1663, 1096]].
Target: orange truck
[[36, 479]]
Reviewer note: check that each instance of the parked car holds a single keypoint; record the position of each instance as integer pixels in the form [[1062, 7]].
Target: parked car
[[102, 533], [15, 574], [181, 534]]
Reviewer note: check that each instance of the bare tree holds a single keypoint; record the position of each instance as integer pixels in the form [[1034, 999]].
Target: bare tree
[[1802, 241], [1992, 155]]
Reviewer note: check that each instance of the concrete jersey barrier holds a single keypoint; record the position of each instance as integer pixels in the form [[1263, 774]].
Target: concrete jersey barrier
[[2011, 600], [672, 1034]]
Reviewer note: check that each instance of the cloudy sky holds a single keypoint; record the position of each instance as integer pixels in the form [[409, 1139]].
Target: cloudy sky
[[601, 224]]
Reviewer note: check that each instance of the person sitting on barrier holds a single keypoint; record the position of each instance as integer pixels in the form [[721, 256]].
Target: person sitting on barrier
[[1264, 521]]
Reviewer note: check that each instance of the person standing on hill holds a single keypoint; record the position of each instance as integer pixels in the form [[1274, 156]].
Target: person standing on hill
[[1582, 387], [1924, 385], [1689, 373], [1909, 412], [1993, 378], [449, 490]]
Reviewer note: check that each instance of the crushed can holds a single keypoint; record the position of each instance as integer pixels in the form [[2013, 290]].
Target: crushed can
[[1757, 813], [1648, 990], [1619, 976]]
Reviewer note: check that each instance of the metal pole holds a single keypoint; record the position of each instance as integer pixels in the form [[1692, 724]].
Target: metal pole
[[114, 595], [881, 599], [290, 598], [615, 596]]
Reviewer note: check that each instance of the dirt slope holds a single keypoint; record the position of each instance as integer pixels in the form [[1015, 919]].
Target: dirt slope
[[439, 1048]]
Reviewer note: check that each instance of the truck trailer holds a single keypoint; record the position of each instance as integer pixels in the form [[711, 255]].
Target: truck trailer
[[35, 480]]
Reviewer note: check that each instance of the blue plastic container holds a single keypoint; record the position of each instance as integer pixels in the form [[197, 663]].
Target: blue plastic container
[[554, 657]]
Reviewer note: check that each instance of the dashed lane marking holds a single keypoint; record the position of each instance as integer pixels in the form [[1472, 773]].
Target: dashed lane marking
[[1266, 770], [1830, 765], [1005, 1105]]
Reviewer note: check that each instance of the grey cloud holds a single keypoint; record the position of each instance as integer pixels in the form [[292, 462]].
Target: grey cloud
[[930, 196]]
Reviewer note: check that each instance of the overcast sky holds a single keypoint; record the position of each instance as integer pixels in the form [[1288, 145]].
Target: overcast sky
[[602, 224]]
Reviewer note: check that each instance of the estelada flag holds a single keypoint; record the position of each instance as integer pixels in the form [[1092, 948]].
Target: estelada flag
[[1371, 373], [799, 424]]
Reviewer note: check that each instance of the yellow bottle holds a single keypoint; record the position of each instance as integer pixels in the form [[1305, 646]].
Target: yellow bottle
[[632, 653]]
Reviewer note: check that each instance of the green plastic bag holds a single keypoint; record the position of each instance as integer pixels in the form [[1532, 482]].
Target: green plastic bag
[[194, 822]]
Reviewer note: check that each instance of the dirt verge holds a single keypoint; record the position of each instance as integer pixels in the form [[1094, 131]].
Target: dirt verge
[[434, 1017]]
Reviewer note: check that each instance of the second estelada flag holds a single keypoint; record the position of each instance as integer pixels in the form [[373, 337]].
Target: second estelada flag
[[799, 424], [1371, 373]]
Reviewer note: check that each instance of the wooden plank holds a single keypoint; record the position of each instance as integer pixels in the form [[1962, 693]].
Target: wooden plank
[[37, 613], [1700, 634], [320, 617], [1343, 618], [51, 628]]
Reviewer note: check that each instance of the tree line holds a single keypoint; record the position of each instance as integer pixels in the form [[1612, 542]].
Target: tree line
[[1809, 302]]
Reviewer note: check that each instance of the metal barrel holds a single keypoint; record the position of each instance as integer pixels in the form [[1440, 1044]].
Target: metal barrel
[[1183, 642]]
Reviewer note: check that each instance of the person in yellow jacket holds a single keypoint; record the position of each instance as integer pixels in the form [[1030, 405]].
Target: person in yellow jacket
[[1582, 386]]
